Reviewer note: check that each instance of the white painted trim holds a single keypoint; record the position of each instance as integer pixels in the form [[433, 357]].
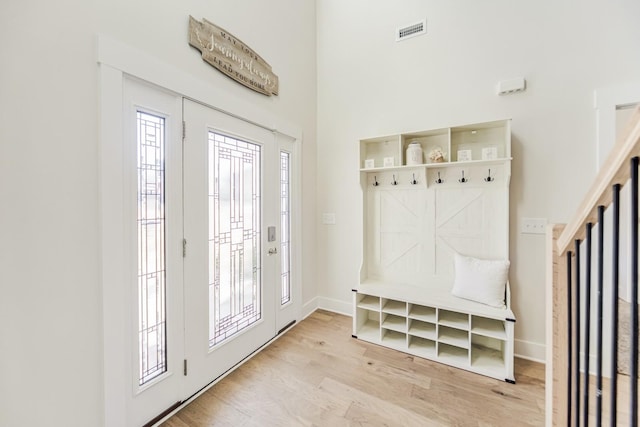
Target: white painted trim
[[530, 351], [309, 307], [147, 67], [605, 102], [335, 306], [111, 214]]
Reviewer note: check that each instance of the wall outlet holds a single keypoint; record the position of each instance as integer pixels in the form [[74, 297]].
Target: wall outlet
[[533, 226]]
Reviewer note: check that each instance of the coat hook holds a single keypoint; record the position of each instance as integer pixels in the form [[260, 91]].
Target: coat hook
[[375, 181], [463, 179], [394, 182], [414, 182], [489, 178], [439, 180]]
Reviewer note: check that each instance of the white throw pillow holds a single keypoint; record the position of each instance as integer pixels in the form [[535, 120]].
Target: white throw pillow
[[480, 280]]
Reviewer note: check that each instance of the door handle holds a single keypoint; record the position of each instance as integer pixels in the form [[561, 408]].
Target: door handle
[[272, 251]]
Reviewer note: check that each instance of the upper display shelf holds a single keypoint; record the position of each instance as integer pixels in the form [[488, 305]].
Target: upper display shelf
[[482, 142]]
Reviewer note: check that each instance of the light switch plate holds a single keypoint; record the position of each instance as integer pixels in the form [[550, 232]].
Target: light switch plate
[[329, 218], [533, 226]]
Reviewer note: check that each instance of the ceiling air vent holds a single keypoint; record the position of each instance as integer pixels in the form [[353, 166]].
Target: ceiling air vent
[[411, 30]]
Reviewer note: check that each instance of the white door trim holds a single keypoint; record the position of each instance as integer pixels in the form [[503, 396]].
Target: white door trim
[[605, 102], [116, 60], [140, 64]]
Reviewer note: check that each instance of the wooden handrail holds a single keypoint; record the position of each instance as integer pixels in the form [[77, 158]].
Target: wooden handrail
[[614, 171]]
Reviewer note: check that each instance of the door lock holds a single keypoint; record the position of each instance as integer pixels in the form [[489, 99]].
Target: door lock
[[272, 251]]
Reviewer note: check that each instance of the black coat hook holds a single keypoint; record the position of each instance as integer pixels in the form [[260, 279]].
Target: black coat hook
[[413, 181], [394, 182], [489, 178], [463, 179], [375, 181], [439, 180]]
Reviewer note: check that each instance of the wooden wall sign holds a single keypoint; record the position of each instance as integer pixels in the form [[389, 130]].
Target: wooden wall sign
[[232, 57]]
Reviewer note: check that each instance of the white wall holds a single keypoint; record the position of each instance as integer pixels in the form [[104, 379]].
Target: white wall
[[50, 292], [369, 85]]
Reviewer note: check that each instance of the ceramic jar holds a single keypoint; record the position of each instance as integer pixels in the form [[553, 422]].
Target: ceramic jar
[[414, 154]]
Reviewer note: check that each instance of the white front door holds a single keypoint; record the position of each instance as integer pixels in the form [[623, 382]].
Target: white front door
[[200, 249], [232, 223]]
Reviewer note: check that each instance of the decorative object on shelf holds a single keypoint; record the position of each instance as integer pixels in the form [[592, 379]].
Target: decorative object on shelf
[[489, 153], [464, 155], [229, 55], [369, 164], [388, 162], [414, 154], [437, 155], [463, 179], [489, 178], [413, 181], [439, 180]]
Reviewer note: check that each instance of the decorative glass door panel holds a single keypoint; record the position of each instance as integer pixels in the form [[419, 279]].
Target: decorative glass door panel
[[152, 357], [231, 181], [235, 281], [285, 227]]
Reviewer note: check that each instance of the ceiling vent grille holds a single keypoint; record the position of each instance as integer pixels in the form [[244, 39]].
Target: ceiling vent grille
[[411, 30]]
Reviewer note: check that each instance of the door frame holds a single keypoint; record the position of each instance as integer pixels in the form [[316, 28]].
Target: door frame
[[117, 61]]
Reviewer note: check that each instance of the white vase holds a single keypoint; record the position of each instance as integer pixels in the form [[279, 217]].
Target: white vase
[[414, 154]]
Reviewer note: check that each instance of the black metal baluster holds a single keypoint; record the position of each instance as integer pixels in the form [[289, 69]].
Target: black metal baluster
[[570, 335], [599, 316], [587, 326], [576, 353], [633, 420], [613, 407]]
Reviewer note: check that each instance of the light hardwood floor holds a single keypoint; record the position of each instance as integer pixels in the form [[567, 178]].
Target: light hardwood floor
[[318, 375]]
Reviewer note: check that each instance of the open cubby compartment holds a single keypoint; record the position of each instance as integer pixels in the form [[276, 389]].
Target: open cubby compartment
[[422, 329], [453, 337], [486, 141], [367, 301], [377, 149], [493, 328], [394, 322], [453, 355], [428, 140], [453, 319], [367, 325], [423, 313], [392, 306], [488, 354], [422, 347], [394, 339]]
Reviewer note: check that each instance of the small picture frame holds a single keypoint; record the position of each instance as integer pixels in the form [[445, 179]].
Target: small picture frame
[[489, 153], [464, 155], [369, 164], [388, 162]]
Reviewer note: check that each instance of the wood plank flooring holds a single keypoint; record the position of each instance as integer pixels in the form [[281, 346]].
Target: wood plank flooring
[[318, 375]]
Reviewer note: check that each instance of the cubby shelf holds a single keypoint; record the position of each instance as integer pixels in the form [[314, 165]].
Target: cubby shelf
[[484, 347], [415, 218]]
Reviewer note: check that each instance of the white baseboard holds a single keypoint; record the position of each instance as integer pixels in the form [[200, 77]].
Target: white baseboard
[[335, 306], [530, 350], [309, 307]]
